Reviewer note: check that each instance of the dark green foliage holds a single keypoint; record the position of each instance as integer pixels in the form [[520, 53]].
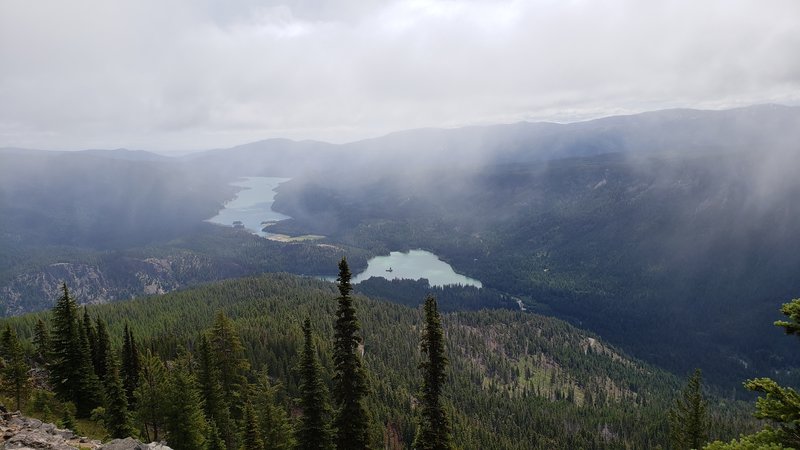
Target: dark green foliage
[[349, 380], [130, 365], [151, 397], [688, 421], [412, 293], [640, 239], [214, 440], [251, 439], [186, 426], [215, 405], [41, 341], [517, 380], [433, 431], [71, 371], [90, 334], [102, 350], [313, 430], [779, 405], [117, 417], [68, 417], [763, 440], [228, 355], [276, 429], [15, 381], [792, 311]]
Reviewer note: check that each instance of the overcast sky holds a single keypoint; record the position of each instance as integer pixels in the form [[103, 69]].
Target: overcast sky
[[197, 74]]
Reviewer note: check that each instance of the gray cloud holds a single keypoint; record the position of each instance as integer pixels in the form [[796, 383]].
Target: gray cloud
[[198, 74]]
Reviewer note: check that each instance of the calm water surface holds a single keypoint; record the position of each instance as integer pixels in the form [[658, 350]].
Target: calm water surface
[[252, 205], [414, 265]]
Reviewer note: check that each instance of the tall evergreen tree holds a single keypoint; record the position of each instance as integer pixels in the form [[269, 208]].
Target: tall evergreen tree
[[151, 396], [102, 349], [215, 407], [231, 362], [349, 380], [15, 370], [313, 431], [131, 365], [780, 405], [90, 333], [433, 431], [251, 439], [185, 424], [117, 418], [276, 430], [688, 421], [214, 440], [71, 371], [41, 341]]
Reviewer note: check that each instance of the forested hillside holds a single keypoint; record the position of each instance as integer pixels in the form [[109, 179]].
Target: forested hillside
[[669, 233], [517, 380], [681, 259]]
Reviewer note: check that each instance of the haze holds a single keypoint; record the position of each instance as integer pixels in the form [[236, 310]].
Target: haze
[[190, 75]]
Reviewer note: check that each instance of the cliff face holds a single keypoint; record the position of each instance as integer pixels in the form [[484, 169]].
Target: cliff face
[[24, 433], [110, 279]]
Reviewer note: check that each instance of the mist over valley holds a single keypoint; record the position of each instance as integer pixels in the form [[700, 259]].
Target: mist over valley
[[423, 224]]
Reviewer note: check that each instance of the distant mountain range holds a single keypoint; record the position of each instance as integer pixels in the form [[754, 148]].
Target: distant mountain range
[[671, 233]]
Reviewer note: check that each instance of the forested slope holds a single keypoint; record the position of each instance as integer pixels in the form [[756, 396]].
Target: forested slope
[[517, 380]]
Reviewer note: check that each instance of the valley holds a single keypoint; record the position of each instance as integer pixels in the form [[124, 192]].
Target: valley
[[400, 225], [677, 256]]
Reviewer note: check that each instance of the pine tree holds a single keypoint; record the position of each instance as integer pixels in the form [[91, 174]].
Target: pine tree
[[102, 349], [252, 433], [350, 383], [151, 396], [185, 424], [214, 440], [273, 420], [231, 362], [313, 431], [15, 370], [780, 405], [688, 424], [433, 431], [71, 371], [131, 365], [215, 407], [68, 418], [41, 341], [90, 334], [117, 417]]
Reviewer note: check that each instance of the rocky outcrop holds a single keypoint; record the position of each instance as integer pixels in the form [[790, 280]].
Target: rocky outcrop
[[113, 277], [18, 432], [132, 444]]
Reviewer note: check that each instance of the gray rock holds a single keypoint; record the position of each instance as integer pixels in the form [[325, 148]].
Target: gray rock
[[66, 434], [157, 446], [123, 444], [26, 439], [16, 421], [34, 423]]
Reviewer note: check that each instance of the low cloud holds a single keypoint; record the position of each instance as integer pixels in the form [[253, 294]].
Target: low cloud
[[185, 75]]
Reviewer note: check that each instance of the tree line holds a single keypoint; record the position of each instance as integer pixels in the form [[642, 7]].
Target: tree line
[[517, 381], [206, 397]]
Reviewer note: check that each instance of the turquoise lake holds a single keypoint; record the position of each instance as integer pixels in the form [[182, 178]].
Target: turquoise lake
[[252, 205], [414, 265]]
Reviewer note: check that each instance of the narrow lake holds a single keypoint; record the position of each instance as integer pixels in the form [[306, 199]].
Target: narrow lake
[[252, 206], [414, 265]]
